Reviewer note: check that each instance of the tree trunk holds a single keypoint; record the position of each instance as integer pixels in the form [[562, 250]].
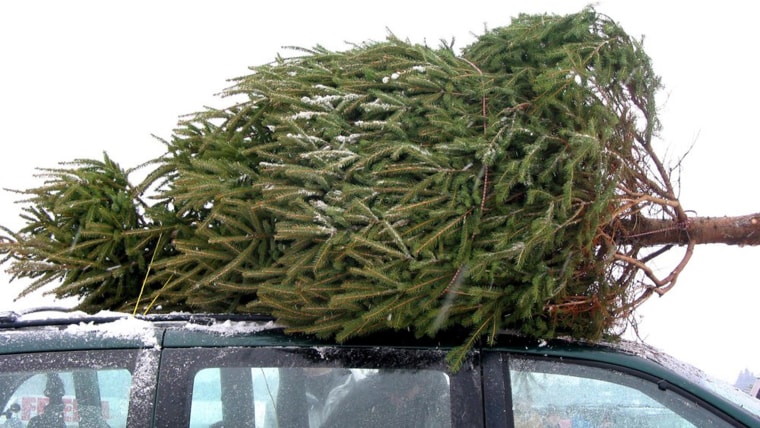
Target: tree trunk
[[739, 230]]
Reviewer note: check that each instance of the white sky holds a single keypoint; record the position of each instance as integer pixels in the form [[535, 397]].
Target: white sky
[[81, 77]]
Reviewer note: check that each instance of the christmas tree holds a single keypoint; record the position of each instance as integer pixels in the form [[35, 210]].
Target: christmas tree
[[512, 185]]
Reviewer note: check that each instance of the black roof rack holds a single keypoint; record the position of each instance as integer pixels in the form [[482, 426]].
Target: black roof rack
[[60, 316], [16, 319]]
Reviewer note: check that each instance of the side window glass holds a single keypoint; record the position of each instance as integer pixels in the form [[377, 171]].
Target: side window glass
[[78, 398], [320, 397], [560, 394]]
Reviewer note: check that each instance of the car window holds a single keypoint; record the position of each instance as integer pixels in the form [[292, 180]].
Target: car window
[[86, 388], [323, 397], [308, 387], [89, 398], [563, 394]]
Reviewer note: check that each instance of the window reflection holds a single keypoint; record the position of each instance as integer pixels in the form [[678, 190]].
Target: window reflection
[[558, 394], [79, 398]]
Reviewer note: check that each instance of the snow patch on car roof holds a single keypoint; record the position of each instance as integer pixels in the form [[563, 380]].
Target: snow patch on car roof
[[126, 327], [233, 328]]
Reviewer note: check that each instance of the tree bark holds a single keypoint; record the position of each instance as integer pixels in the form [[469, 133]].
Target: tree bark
[[739, 230]]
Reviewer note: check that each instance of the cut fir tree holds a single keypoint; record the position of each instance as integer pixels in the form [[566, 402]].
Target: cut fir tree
[[393, 186]]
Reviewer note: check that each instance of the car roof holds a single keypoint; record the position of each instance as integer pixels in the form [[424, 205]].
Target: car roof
[[59, 329], [116, 329], [41, 329]]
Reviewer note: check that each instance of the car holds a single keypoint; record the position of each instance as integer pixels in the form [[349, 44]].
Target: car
[[223, 370]]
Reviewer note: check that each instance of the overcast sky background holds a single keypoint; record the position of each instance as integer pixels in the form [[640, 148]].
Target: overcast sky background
[[78, 78]]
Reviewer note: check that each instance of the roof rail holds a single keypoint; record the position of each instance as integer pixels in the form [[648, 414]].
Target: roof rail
[[17, 319], [59, 316], [205, 318]]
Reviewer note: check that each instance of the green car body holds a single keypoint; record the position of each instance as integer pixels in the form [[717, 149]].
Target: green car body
[[182, 370]]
